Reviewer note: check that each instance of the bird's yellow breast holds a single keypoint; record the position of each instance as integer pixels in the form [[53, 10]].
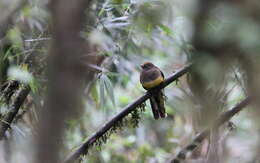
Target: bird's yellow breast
[[153, 83]]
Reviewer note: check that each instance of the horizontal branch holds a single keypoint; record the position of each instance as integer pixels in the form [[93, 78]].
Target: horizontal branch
[[82, 149], [13, 110], [224, 117]]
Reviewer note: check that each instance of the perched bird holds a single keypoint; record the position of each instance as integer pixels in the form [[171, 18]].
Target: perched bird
[[150, 77]]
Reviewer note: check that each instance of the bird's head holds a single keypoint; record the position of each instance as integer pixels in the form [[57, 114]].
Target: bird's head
[[147, 65]]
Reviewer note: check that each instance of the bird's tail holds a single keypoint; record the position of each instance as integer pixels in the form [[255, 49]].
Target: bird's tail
[[157, 105]]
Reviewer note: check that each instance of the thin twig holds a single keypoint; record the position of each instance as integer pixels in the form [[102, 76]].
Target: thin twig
[[38, 39], [83, 148], [224, 117]]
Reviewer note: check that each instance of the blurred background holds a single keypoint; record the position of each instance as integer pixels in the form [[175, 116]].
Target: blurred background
[[221, 39]]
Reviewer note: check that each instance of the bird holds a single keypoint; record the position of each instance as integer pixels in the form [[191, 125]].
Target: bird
[[151, 77]]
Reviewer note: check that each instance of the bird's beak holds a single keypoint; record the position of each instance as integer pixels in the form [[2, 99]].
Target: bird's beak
[[142, 65]]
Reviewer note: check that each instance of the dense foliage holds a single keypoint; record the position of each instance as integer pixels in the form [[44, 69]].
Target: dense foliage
[[222, 41]]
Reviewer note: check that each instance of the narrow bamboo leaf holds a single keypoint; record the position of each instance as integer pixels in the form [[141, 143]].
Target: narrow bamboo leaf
[[94, 93], [34, 85], [8, 52], [102, 92], [166, 29], [103, 9], [19, 131], [109, 89], [101, 12]]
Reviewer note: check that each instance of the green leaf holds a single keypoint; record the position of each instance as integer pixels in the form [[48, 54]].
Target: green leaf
[[34, 85], [149, 28], [101, 12], [27, 11], [94, 93], [102, 92], [124, 100], [166, 30], [109, 89], [14, 35], [8, 52], [117, 1]]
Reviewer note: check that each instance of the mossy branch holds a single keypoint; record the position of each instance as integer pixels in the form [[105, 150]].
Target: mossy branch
[[7, 90], [121, 119], [8, 118]]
